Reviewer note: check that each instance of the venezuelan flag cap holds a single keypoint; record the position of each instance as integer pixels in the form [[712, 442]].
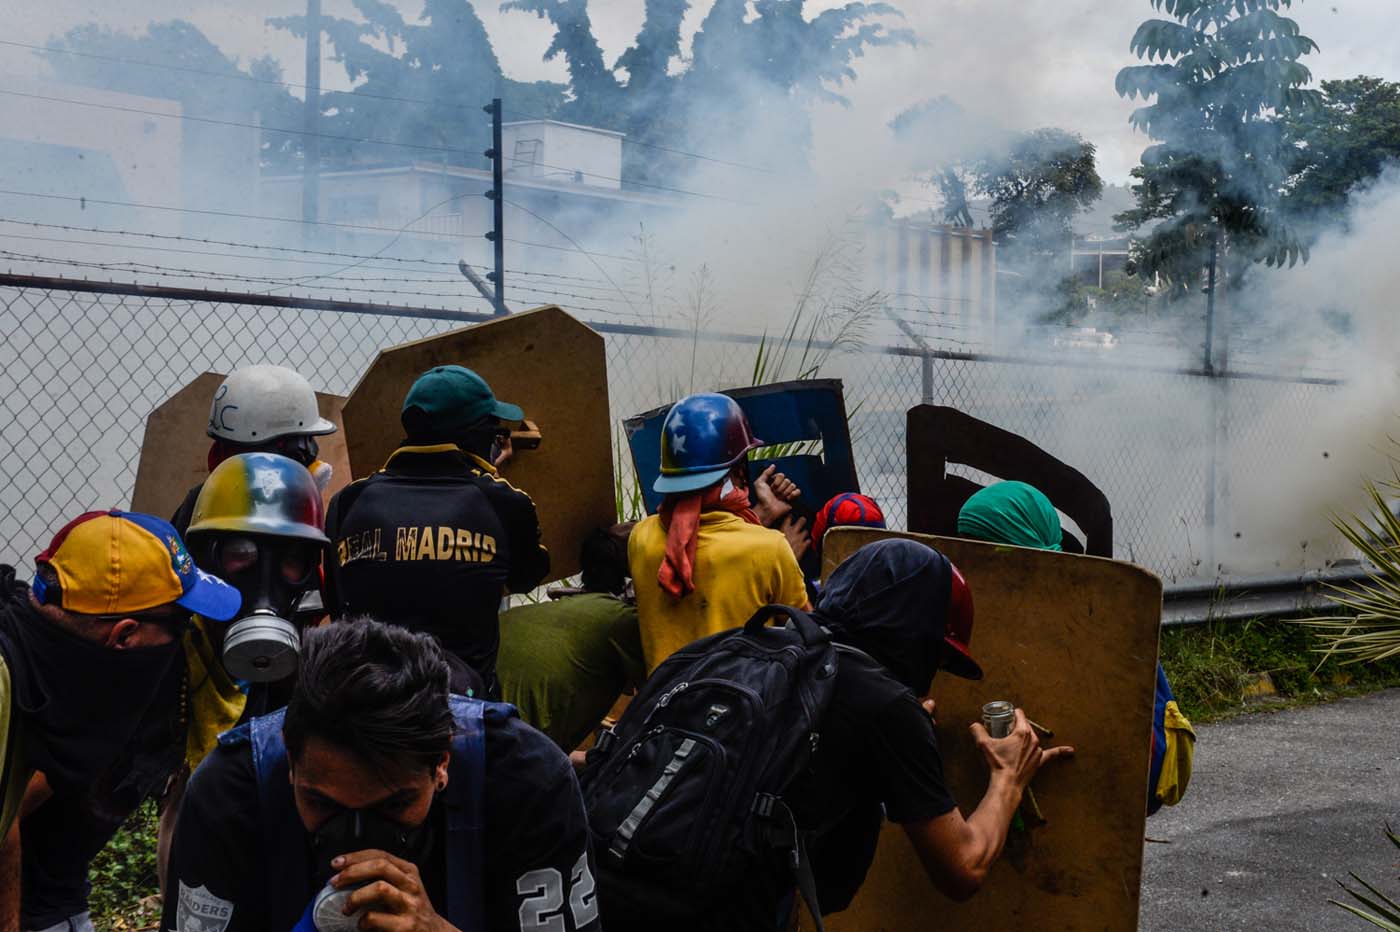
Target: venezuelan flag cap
[[113, 562]]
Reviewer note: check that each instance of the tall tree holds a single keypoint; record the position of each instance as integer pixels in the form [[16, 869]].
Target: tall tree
[[1037, 187], [749, 63], [1221, 74], [418, 82], [174, 60], [1342, 145]]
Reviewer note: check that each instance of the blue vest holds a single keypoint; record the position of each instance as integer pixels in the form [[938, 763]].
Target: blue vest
[[283, 847]]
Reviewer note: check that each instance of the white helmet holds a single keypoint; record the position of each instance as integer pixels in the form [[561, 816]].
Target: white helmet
[[256, 404]]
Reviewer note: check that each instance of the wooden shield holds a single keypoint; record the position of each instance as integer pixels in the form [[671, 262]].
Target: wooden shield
[[552, 366], [175, 452], [1073, 641]]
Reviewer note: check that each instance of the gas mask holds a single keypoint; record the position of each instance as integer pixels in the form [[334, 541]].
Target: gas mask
[[272, 573], [361, 829], [357, 830]]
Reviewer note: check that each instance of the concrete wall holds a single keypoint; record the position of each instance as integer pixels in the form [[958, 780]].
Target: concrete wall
[[562, 153], [80, 150]]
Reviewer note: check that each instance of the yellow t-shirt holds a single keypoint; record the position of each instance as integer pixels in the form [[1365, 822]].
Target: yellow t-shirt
[[739, 568]]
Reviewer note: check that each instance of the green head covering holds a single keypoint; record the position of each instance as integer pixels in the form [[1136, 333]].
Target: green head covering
[[1011, 513]]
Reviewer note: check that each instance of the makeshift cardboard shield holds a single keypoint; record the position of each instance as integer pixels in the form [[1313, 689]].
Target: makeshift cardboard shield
[[552, 366], [175, 452], [1073, 641], [938, 436], [804, 420]]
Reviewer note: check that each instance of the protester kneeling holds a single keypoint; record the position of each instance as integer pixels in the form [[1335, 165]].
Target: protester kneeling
[[378, 801], [758, 762]]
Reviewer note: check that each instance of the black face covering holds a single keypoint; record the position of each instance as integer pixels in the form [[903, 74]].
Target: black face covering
[[81, 701], [890, 599], [362, 829]]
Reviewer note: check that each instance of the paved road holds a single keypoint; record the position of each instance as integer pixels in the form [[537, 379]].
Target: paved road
[[1279, 806]]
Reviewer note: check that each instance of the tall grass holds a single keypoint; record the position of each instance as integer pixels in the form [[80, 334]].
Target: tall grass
[[1368, 630]]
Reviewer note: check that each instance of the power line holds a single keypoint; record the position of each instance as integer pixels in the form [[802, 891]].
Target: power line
[[355, 139], [332, 281], [76, 199], [253, 79], [258, 126], [237, 244], [602, 271], [159, 271], [353, 92]]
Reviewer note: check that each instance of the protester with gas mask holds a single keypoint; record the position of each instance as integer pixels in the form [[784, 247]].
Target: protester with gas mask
[[437, 538], [86, 652], [263, 409], [379, 801], [257, 523]]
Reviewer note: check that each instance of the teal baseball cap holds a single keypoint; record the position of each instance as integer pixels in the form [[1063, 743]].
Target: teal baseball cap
[[448, 399]]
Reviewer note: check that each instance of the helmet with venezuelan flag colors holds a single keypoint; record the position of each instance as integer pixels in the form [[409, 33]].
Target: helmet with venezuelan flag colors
[[260, 493], [703, 436]]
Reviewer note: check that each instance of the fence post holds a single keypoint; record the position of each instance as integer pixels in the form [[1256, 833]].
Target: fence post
[[926, 365]]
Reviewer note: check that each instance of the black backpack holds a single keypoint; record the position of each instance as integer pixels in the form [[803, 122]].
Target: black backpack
[[684, 794]]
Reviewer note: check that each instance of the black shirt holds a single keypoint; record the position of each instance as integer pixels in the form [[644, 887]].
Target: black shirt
[[180, 520], [877, 749], [433, 542], [538, 872], [877, 758]]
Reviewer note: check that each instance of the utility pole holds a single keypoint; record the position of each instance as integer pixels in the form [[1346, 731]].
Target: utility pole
[[497, 236], [311, 141], [1210, 303]]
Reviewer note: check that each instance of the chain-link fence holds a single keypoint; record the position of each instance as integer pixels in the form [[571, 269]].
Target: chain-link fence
[[81, 366]]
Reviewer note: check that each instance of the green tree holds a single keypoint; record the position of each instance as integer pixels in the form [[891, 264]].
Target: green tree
[[421, 83], [1341, 145], [1223, 77], [174, 60], [751, 64], [1038, 187]]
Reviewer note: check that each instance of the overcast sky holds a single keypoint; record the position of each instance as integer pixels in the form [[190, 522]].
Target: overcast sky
[[1021, 63]]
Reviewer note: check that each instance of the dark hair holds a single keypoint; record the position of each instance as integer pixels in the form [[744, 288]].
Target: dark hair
[[603, 559], [376, 690]]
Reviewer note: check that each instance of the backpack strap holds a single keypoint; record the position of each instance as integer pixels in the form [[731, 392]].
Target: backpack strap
[[784, 835], [812, 633], [465, 801], [283, 838]]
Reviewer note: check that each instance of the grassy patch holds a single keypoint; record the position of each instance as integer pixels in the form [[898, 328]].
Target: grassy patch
[[1212, 666], [125, 885]]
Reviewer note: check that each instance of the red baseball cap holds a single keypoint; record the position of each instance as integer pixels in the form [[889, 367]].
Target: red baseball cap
[[849, 509]]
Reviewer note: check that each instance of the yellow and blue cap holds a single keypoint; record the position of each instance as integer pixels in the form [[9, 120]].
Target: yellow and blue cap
[[115, 562]]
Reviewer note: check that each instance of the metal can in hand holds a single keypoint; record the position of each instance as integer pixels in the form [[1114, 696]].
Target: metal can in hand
[[328, 913], [999, 718]]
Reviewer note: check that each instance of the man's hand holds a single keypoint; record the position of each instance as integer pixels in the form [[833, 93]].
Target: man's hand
[[798, 538], [773, 495], [931, 709], [1018, 756], [505, 451], [392, 894]]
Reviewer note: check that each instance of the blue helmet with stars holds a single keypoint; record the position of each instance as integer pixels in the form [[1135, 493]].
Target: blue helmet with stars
[[703, 437]]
